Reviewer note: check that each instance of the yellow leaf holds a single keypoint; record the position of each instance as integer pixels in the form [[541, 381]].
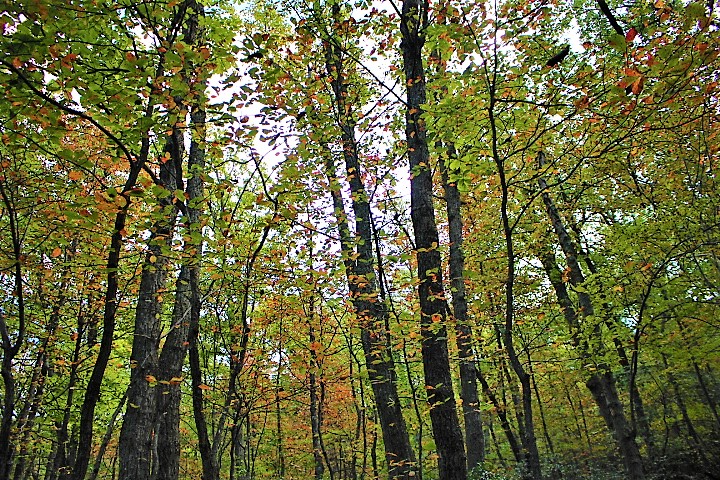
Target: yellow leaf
[[120, 201]]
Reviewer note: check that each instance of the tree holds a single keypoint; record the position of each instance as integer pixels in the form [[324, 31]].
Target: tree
[[438, 381]]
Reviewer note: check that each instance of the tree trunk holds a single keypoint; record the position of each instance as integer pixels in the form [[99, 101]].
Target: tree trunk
[[207, 454], [436, 362], [601, 381], [187, 297], [10, 347], [502, 415], [362, 282], [526, 422], [137, 436], [474, 436], [106, 438], [169, 380], [315, 414]]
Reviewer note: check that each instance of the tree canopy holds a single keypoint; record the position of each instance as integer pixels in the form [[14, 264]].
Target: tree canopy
[[284, 239]]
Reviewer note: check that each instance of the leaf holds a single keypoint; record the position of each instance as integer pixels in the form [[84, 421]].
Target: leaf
[[631, 34], [637, 85], [202, 386], [617, 42], [120, 201], [56, 252], [75, 175]]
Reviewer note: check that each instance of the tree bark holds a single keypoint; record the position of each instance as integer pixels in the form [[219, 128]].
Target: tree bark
[[106, 438], [474, 436], [315, 406], [169, 380], [362, 280], [137, 436], [502, 415], [601, 381], [10, 347], [436, 362], [525, 421]]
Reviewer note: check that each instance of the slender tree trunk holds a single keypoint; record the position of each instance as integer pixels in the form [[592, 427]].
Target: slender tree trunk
[[694, 441], [207, 456], [526, 424], [63, 460], [106, 438], [315, 414], [502, 415], [278, 429], [474, 436], [601, 381], [10, 347], [706, 391], [436, 362], [362, 282]]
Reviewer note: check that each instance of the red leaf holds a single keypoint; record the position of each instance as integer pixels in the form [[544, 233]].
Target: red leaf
[[631, 34]]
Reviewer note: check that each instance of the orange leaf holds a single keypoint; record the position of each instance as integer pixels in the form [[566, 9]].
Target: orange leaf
[[637, 86], [202, 386], [56, 252], [75, 175]]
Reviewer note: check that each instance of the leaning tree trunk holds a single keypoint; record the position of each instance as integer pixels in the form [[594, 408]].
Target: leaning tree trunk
[[601, 381], [436, 362], [362, 282]]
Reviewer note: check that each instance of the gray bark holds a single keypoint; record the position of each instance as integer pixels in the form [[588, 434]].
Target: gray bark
[[136, 444], [474, 436]]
